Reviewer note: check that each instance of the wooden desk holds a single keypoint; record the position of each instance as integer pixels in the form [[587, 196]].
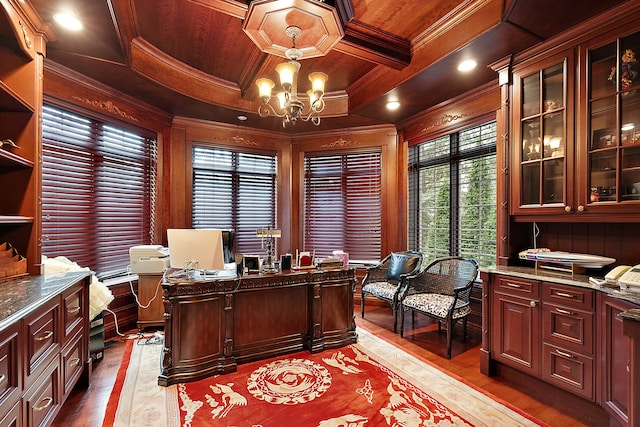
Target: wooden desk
[[212, 326], [150, 296]]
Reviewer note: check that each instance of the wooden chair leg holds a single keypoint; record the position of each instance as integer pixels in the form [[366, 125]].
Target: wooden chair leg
[[362, 306], [464, 328], [401, 322], [395, 319], [439, 327]]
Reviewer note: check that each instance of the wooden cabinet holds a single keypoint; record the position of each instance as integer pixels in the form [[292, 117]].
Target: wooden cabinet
[[515, 326], [615, 360], [150, 306], [560, 329], [568, 336], [21, 63], [546, 330], [44, 347], [542, 136], [611, 108], [573, 112]]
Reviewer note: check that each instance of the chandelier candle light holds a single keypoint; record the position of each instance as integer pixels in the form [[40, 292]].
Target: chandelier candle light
[[290, 106]]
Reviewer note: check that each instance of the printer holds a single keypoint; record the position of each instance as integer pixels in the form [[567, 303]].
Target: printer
[[149, 259]]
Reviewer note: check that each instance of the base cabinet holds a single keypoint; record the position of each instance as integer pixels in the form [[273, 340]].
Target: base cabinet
[[571, 336], [150, 307], [44, 351], [615, 360], [516, 326]]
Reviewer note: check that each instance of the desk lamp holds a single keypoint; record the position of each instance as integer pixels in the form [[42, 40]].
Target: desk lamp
[[268, 234]]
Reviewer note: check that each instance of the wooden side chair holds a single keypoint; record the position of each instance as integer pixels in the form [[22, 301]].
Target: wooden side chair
[[440, 291], [385, 280]]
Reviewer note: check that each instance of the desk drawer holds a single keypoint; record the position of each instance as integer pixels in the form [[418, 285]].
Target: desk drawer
[[73, 356], [517, 286], [42, 400], [569, 370], [41, 336], [10, 384], [570, 296], [569, 328], [72, 304]]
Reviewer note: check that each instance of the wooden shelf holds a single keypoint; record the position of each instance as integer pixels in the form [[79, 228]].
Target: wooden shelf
[[15, 219], [11, 101], [11, 160]]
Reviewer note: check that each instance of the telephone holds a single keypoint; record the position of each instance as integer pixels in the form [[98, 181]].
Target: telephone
[[630, 279], [614, 275]]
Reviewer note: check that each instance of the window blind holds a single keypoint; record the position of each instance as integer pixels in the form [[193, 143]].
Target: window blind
[[97, 191], [234, 190], [343, 204]]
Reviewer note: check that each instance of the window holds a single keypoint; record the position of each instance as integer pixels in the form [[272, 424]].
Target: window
[[98, 191], [234, 190], [342, 204], [452, 195]]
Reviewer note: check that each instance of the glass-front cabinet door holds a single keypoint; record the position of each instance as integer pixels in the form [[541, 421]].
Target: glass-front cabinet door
[[540, 132], [613, 118]]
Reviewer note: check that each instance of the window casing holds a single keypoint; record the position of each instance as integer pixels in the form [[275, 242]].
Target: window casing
[[452, 195], [343, 204], [98, 191], [234, 190]]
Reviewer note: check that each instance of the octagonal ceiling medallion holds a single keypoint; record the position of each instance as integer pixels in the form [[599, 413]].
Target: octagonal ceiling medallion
[[266, 21]]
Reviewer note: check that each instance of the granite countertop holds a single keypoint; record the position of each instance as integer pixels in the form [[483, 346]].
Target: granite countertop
[[580, 280], [21, 296]]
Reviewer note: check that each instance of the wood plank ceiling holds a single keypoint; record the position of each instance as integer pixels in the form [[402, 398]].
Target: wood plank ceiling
[[193, 58]]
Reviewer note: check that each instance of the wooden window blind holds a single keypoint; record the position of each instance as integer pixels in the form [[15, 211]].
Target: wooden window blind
[[234, 190], [98, 184], [343, 204]]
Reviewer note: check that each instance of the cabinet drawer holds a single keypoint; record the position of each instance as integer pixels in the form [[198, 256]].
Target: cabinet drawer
[[42, 400], [10, 384], [41, 335], [517, 286], [571, 296], [72, 313], [12, 417], [568, 328], [568, 370], [72, 364]]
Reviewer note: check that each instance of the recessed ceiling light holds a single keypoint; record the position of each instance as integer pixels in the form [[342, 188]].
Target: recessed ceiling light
[[467, 65], [242, 118], [68, 20], [393, 105]]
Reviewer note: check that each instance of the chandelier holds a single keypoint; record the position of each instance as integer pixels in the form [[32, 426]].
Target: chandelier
[[289, 106]]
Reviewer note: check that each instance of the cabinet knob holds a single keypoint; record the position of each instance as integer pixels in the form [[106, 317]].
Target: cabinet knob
[[532, 303], [567, 208], [580, 208]]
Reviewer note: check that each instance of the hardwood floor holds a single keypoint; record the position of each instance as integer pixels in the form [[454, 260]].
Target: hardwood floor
[[86, 407]]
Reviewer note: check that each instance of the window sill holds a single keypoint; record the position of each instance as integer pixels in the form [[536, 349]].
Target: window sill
[[120, 279]]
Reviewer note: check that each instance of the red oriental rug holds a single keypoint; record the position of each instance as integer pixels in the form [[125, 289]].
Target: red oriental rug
[[371, 383]]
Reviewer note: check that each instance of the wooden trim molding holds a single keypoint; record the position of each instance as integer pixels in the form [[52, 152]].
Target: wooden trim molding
[[452, 115]]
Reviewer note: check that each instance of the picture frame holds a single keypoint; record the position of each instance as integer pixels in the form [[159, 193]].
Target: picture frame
[[251, 263], [603, 138]]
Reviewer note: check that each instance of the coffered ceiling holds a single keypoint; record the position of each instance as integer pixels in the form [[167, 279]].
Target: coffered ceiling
[[199, 58]]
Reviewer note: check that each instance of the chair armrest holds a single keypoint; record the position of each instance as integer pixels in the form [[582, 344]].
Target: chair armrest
[[375, 274]]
